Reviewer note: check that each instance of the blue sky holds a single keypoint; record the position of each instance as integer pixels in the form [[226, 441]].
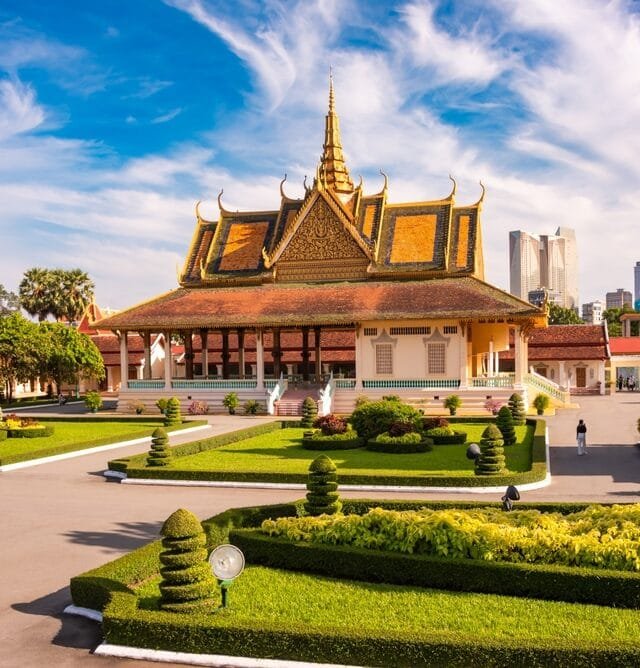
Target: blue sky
[[116, 117]]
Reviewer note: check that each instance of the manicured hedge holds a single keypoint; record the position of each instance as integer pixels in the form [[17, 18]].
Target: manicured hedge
[[3, 434], [399, 448], [30, 432], [347, 440], [106, 588], [457, 438]]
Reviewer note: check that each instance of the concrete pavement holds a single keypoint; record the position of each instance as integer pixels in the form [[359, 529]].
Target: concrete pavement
[[61, 519]]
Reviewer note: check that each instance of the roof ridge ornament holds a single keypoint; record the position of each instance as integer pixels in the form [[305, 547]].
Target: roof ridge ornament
[[220, 206], [484, 190], [455, 187], [281, 187]]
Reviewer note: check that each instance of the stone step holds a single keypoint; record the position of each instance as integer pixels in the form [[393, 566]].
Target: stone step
[[288, 408]]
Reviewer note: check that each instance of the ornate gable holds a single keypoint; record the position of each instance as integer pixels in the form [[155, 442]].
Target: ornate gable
[[321, 248]]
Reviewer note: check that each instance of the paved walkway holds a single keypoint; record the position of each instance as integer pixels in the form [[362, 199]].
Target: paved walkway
[[61, 519]]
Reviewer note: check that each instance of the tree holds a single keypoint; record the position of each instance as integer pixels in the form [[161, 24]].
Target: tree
[[21, 349], [563, 316], [322, 497], [172, 415], [9, 302], [36, 291], [160, 453], [68, 354], [612, 316], [517, 408], [491, 460], [504, 422], [56, 292], [309, 412]]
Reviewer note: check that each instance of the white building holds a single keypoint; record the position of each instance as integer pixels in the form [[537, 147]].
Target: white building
[[544, 260], [592, 312]]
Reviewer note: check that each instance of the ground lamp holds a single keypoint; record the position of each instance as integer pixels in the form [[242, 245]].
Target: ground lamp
[[473, 451], [512, 494], [227, 562]]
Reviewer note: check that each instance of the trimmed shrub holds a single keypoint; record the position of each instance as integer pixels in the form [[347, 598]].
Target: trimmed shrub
[[344, 441], [309, 412], [400, 445], [3, 434], [446, 436], [331, 424], [172, 416], [491, 459], [322, 497], [187, 582], [36, 431], [160, 453], [433, 422], [518, 409], [162, 405], [391, 397], [504, 422], [401, 428], [376, 417]]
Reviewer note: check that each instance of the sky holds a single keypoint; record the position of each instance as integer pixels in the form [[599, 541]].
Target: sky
[[117, 117]]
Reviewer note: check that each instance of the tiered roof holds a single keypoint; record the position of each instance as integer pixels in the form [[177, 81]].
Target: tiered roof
[[358, 257], [566, 342]]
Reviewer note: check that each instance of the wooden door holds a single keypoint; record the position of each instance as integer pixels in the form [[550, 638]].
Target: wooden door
[[581, 377]]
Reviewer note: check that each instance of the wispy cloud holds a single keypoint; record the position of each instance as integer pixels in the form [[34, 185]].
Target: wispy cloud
[[19, 111], [169, 116]]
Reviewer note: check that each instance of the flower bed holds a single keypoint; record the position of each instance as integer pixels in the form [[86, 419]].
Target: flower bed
[[15, 426]]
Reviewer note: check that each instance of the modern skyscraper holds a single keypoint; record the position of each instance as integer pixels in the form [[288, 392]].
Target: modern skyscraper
[[636, 286], [544, 261], [619, 298]]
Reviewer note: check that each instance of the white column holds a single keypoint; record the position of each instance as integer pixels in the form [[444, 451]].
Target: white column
[[519, 362], [496, 364], [562, 375], [167, 361], [259, 360], [463, 371], [490, 359], [601, 377], [109, 379], [124, 361], [358, 351]]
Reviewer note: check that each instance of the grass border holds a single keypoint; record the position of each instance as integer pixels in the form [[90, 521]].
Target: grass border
[[134, 466], [53, 450]]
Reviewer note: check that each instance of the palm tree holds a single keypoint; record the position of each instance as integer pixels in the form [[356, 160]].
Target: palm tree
[[76, 294], [36, 292]]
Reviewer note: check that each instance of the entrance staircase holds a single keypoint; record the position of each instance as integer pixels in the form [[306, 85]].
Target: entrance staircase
[[290, 403]]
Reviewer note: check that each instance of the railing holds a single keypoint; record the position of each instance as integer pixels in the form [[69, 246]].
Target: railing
[[221, 384], [422, 384], [503, 380], [278, 390], [326, 397], [145, 384], [345, 383], [270, 383], [538, 382]]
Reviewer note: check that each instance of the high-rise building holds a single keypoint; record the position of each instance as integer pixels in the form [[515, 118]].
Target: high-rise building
[[592, 312], [619, 298], [544, 296], [544, 261], [636, 286]]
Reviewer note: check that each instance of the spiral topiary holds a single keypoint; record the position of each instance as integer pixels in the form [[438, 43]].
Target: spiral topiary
[[172, 415], [160, 453], [322, 497], [309, 412], [504, 422], [187, 582], [491, 459], [517, 408]]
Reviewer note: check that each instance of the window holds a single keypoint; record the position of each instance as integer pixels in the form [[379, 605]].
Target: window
[[370, 331], [409, 331], [450, 329], [436, 356], [384, 358]]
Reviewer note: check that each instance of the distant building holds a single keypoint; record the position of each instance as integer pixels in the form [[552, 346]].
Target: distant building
[[619, 298], [592, 312], [542, 295], [544, 260], [636, 286]]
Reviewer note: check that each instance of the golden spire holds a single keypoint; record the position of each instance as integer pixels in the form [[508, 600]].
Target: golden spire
[[333, 172]]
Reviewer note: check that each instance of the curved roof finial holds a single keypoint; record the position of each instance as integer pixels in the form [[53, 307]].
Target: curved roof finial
[[386, 181], [198, 217], [304, 184], [455, 185], [484, 190], [281, 188], [359, 186], [220, 206]]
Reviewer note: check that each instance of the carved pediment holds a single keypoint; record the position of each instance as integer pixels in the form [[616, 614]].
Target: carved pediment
[[321, 236]]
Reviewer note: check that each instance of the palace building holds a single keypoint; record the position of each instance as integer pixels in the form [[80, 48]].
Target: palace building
[[338, 294]]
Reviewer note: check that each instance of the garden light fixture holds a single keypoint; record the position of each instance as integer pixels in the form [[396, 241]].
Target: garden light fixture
[[512, 494], [227, 562]]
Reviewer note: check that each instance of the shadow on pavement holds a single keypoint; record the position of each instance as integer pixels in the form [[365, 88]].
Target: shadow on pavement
[[130, 536], [74, 632], [621, 462]]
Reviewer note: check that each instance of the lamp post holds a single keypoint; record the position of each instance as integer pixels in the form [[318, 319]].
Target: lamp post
[[227, 562]]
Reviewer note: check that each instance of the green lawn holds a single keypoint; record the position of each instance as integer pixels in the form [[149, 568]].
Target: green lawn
[[261, 596], [76, 434], [281, 452]]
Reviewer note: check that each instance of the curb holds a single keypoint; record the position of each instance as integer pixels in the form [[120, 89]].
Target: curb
[[89, 451]]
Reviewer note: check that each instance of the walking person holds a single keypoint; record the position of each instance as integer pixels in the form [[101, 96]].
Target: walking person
[[581, 437]]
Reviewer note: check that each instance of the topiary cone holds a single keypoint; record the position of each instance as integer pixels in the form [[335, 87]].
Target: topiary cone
[[172, 414], [322, 497], [504, 422], [160, 453], [309, 412], [187, 582], [491, 460], [517, 408]]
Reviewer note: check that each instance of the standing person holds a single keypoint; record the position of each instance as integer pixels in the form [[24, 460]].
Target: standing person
[[620, 381], [581, 437]]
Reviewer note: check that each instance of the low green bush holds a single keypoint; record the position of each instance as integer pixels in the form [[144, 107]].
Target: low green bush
[[405, 444], [446, 436], [3, 434], [30, 432], [375, 417], [347, 440]]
